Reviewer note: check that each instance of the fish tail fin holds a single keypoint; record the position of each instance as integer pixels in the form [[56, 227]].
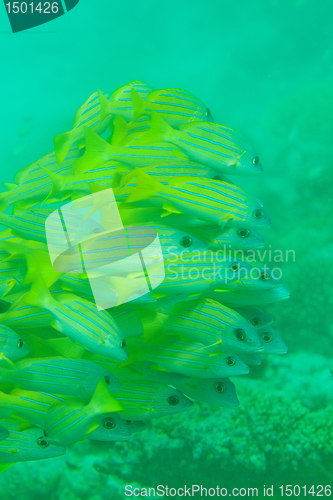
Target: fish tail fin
[[102, 401], [65, 347], [159, 131], [38, 295], [97, 151], [13, 249], [152, 323], [58, 186], [119, 130], [38, 262], [127, 178], [139, 105], [39, 347], [120, 173], [146, 187], [62, 144]]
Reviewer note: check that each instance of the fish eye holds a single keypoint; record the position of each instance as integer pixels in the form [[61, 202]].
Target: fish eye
[[173, 400], [266, 337], [240, 334], [42, 443], [264, 276], [220, 387], [107, 379], [258, 214], [123, 344], [256, 160], [109, 423], [256, 321], [235, 267], [243, 233], [208, 113], [186, 241], [20, 343], [230, 361]]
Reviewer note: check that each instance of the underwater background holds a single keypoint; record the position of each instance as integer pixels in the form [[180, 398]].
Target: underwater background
[[265, 68]]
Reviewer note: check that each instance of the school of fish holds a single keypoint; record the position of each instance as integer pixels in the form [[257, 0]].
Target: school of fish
[[70, 370]]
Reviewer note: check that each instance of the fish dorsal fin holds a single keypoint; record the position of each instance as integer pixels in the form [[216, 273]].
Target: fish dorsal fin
[[105, 106]]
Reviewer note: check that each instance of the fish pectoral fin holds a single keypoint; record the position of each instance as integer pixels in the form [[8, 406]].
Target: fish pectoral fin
[[11, 283], [195, 294], [92, 428], [158, 368], [5, 466], [75, 196], [223, 221], [156, 295], [9, 363], [165, 213], [23, 424], [177, 181], [56, 325], [9, 186], [170, 208]]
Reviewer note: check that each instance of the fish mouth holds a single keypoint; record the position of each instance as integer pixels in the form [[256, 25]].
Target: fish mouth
[[259, 169], [120, 355]]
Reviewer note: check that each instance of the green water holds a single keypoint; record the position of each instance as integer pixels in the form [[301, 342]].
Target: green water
[[265, 68]]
